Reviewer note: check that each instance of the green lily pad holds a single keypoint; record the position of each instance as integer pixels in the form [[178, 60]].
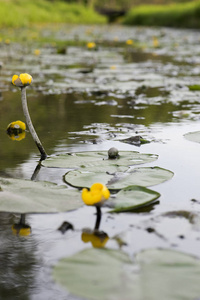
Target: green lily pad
[[98, 274], [132, 198], [26, 196], [92, 159], [193, 136], [139, 176], [194, 87]]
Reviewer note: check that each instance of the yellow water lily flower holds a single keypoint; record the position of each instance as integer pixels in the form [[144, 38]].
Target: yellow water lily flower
[[129, 42], [97, 239], [97, 194], [91, 45], [37, 52], [155, 42], [7, 42], [22, 80], [17, 125]]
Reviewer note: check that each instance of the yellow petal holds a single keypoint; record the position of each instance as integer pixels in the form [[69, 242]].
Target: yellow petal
[[91, 197], [14, 78], [25, 78], [98, 194]]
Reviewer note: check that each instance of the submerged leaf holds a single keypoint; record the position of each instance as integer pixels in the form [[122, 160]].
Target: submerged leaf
[[26, 196], [97, 274]]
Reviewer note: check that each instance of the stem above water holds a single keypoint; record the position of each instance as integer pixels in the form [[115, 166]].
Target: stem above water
[[30, 125]]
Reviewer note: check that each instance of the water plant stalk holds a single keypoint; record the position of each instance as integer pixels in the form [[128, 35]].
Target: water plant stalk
[[98, 219], [30, 124]]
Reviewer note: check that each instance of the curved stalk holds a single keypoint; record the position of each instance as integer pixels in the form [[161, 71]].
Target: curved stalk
[[30, 125]]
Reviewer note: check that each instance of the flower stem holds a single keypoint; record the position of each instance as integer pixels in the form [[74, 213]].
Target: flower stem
[[98, 219], [30, 125]]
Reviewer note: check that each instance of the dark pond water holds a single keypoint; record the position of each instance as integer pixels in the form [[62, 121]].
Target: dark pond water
[[86, 100]]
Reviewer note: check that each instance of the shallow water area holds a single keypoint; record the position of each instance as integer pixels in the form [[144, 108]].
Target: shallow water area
[[91, 100]]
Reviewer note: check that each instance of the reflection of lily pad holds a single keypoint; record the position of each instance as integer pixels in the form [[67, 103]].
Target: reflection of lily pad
[[85, 159], [132, 198], [193, 136], [139, 176], [109, 274], [25, 196]]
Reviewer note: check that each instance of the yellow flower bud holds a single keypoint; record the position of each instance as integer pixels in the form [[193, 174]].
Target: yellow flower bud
[[129, 42], [91, 45], [22, 80], [97, 194]]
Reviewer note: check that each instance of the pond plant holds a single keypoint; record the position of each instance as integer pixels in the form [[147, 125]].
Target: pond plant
[[96, 196], [22, 81]]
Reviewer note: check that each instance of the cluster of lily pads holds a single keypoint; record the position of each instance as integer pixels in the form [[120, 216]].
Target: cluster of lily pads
[[112, 179]]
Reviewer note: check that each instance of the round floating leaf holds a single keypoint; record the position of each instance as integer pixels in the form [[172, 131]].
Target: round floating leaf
[[132, 197], [193, 136], [92, 159], [139, 176], [97, 274], [25, 196]]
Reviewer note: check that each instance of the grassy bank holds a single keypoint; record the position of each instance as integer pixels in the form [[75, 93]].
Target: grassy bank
[[174, 15], [25, 13]]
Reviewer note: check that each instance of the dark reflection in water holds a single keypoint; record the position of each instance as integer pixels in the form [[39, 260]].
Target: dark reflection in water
[[18, 261], [55, 116]]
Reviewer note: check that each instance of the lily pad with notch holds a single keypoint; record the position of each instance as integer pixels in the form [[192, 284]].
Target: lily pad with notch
[[132, 198], [98, 158], [97, 274], [145, 176]]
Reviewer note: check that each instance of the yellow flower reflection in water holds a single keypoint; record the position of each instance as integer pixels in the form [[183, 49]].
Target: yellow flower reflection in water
[[21, 229], [97, 194], [22, 80], [16, 130], [98, 239]]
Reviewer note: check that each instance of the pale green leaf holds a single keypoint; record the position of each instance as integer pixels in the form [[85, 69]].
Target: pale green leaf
[[193, 136], [132, 197], [97, 274], [139, 176], [98, 159], [26, 196]]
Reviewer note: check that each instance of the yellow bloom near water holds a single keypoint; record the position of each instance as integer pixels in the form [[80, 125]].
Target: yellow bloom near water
[[37, 52], [129, 42], [22, 80], [17, 125], [91, 45], [97, 194]]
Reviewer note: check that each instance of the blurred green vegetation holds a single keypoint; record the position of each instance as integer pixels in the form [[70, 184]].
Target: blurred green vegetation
[[182, 15], [25, 13]]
